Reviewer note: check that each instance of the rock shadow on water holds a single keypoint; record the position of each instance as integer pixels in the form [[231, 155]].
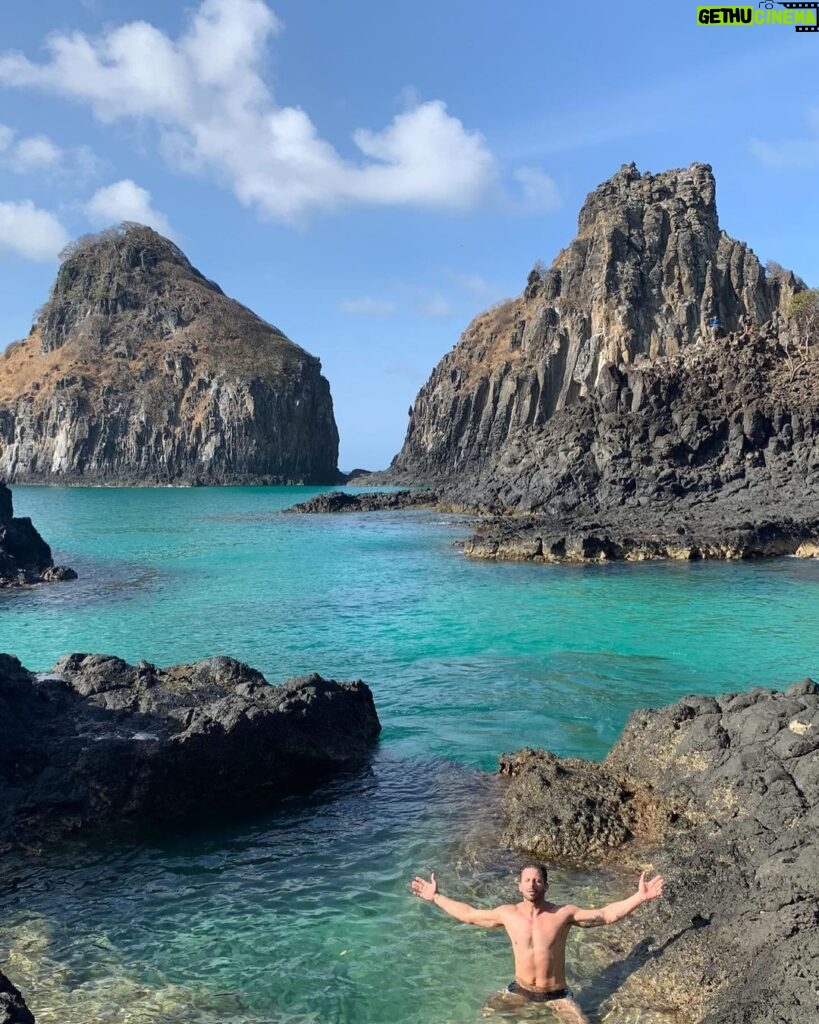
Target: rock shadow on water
[[618, 993]]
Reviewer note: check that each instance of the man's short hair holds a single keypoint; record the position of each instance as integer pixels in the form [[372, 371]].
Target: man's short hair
[[537, 867]]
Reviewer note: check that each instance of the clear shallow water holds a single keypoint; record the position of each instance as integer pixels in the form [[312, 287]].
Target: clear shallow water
[[305, 916]]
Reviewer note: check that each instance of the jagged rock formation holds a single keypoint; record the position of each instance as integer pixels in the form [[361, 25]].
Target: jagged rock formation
[[722, 796], [98, 742], [24, 555], [602, 385], [726, 419], [140, 370], [713, 453]]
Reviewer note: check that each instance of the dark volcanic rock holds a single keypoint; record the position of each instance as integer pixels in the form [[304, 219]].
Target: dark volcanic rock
[[140, 370], [13, 1009], [648, 268], [723, 796], [24, 555], [357, 477], [601, 395], [683, 534], [338, 501], [720, 425], [99, 741]]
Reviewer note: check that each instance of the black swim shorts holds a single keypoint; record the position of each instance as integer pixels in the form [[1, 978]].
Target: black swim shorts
[[539, 997]]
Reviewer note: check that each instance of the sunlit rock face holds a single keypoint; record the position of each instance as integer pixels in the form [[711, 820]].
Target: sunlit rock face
[[537, 385], [140, 370]]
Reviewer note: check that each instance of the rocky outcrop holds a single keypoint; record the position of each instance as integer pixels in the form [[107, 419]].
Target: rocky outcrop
[[726, 422], [722, 795], [377, 501], [602, 387], [24, 555], [676, 536], [98, 741], [712, 453], [13, 1009], [140, 370]]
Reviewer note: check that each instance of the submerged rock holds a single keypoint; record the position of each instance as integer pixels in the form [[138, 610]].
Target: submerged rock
[[98, 741], [24, 555], [722, 795]]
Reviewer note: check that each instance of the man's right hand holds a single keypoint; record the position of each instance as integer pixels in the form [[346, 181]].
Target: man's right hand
[[425, 889]]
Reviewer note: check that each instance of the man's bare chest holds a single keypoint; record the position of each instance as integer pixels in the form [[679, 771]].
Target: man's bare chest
[[541, 932]]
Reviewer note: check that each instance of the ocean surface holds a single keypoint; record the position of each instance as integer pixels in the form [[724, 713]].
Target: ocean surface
[[304, 915]]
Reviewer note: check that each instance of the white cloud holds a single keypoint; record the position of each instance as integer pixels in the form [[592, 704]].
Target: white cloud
[[214, 113], [35, 153], [539, 193], [31, 153], [125, 200], [27, 231], [791, 153], [474, 284], [436, 308], [365, 306], [428, 158]]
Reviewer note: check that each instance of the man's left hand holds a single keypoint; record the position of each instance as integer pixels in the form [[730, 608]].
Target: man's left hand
[[650, 890]]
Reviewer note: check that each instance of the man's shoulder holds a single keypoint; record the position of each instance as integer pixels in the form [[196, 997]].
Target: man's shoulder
[[563, 909]]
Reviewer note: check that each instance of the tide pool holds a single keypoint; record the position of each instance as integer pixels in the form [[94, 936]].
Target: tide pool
[[305, 915]]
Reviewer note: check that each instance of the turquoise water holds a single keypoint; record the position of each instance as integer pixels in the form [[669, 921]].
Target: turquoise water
[[304, 916]]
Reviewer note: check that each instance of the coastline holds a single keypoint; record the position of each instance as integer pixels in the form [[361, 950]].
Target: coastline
[[687, 533], [451, 699], [721, 795]]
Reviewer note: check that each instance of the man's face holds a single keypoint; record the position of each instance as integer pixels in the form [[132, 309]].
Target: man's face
[[531, 886]]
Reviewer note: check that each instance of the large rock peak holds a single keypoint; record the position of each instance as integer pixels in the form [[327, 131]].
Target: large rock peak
[[645, 274], [141, 370], [649, 267], [688, 193], [131, 273]]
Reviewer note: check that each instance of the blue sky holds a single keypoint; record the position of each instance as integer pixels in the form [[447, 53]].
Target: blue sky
[[369, 176]]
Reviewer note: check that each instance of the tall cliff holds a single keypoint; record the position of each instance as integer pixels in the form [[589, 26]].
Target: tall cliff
[[140, 370], [548, 394]]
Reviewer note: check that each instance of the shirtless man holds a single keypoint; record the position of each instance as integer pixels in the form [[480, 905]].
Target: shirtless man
[[538, 931]]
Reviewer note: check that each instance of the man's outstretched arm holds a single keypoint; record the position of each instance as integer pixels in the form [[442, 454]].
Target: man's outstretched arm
[[428, 890], [615, 912]]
